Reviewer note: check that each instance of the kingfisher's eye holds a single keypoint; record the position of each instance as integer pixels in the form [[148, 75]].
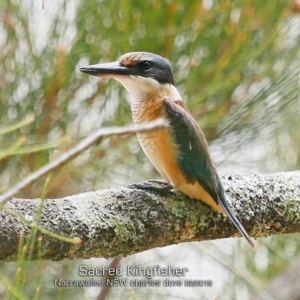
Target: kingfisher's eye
[[146, 65]]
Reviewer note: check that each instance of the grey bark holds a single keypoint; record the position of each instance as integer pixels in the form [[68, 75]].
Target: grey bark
[[125, 221]]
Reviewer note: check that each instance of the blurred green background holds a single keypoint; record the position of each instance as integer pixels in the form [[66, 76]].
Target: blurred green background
[[236, 64]]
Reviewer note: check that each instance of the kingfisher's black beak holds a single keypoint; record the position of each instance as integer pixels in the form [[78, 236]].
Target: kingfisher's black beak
[[106, 70]]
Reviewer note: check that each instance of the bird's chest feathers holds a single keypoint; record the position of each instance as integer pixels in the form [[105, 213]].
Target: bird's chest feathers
[[147, 111], [158, 146]]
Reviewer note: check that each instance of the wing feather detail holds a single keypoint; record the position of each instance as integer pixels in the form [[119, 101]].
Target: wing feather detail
[[194, 159]]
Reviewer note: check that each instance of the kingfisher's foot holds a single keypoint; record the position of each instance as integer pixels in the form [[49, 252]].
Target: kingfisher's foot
[[163, 188]]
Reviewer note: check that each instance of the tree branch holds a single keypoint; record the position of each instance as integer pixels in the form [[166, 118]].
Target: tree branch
[[126, 221], [83, 145]]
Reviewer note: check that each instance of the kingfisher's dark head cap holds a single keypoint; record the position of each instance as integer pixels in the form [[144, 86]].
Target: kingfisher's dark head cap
[[148, 64], [143, 64]]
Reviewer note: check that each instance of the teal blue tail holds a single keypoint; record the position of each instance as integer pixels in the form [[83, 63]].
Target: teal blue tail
[[236, 222]]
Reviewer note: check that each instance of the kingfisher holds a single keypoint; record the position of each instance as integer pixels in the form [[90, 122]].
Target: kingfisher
[[179, 152]]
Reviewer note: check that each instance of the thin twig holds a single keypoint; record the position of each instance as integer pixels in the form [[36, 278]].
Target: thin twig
[[83, 145], [105, 289]]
